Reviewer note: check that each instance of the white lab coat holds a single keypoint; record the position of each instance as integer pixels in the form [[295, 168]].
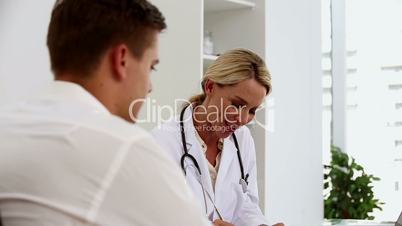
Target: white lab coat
[[236, 207], [65, 160]]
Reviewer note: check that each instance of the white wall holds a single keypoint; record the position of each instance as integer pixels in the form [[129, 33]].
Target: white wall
[[24, 60], [179, 71], [294, 174]]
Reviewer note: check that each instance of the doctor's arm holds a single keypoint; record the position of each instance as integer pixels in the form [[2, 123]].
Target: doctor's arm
[[248, 212], [251, 210], [222, 223]]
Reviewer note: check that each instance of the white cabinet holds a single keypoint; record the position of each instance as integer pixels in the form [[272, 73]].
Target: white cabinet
[[235, 24], [222, 5], [240, 24]]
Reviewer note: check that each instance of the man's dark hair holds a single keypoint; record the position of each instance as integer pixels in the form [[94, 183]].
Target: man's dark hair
[[80, 31]]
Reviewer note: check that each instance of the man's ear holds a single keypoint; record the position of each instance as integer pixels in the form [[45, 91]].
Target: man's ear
[[119, 60], [209, 86]]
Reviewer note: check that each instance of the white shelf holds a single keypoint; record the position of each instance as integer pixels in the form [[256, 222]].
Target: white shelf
[[223, 5], [395, 68], [209, 58]]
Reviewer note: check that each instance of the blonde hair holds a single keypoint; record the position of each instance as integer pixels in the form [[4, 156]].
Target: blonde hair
[[235, 66]]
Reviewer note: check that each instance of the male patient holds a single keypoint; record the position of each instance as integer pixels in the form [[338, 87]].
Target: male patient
[[71, 155]]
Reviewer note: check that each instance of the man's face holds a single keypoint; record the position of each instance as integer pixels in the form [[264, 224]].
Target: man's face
[[138, 80]]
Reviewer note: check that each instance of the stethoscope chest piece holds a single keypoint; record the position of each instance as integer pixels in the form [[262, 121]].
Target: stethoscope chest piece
[[243, 184]]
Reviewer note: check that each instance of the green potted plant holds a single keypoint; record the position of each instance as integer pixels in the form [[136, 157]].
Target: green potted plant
[[348, 189]]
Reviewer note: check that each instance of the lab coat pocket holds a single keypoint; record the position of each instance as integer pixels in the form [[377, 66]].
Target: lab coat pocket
[[247, 213], [239, 194]]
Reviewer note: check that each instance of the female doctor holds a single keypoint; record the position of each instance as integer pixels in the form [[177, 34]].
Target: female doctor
[[210, 143]]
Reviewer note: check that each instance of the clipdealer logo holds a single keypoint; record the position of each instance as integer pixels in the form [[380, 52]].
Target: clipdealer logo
[[157, 114]]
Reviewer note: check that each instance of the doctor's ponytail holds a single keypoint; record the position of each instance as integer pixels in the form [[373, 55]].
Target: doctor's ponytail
[[197, 99]]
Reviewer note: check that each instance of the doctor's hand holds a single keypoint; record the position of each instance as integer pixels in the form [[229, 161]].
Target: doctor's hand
[[222, 223], [279, 224]]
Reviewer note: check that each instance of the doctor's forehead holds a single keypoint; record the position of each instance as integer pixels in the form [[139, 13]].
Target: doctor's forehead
[[251, 97]]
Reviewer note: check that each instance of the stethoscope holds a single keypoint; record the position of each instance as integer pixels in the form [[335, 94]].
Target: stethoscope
[[244, 178]]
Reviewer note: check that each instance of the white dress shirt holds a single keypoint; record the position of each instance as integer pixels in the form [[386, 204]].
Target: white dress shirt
[[213, 170], [65, 160]]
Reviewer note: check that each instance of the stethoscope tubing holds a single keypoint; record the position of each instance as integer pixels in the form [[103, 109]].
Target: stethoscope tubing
[[186, 154]]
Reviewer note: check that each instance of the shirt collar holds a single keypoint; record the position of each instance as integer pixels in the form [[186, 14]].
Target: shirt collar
[[204, 146], [72, 92], [190, 128]]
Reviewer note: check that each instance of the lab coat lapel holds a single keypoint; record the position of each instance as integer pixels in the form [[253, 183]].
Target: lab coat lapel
[[228, 154], [194, 148]]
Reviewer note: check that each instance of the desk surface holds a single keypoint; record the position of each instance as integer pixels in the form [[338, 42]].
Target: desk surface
[[337, 222]]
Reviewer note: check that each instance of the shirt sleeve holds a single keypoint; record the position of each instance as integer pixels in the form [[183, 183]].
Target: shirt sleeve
[[149, 189]]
